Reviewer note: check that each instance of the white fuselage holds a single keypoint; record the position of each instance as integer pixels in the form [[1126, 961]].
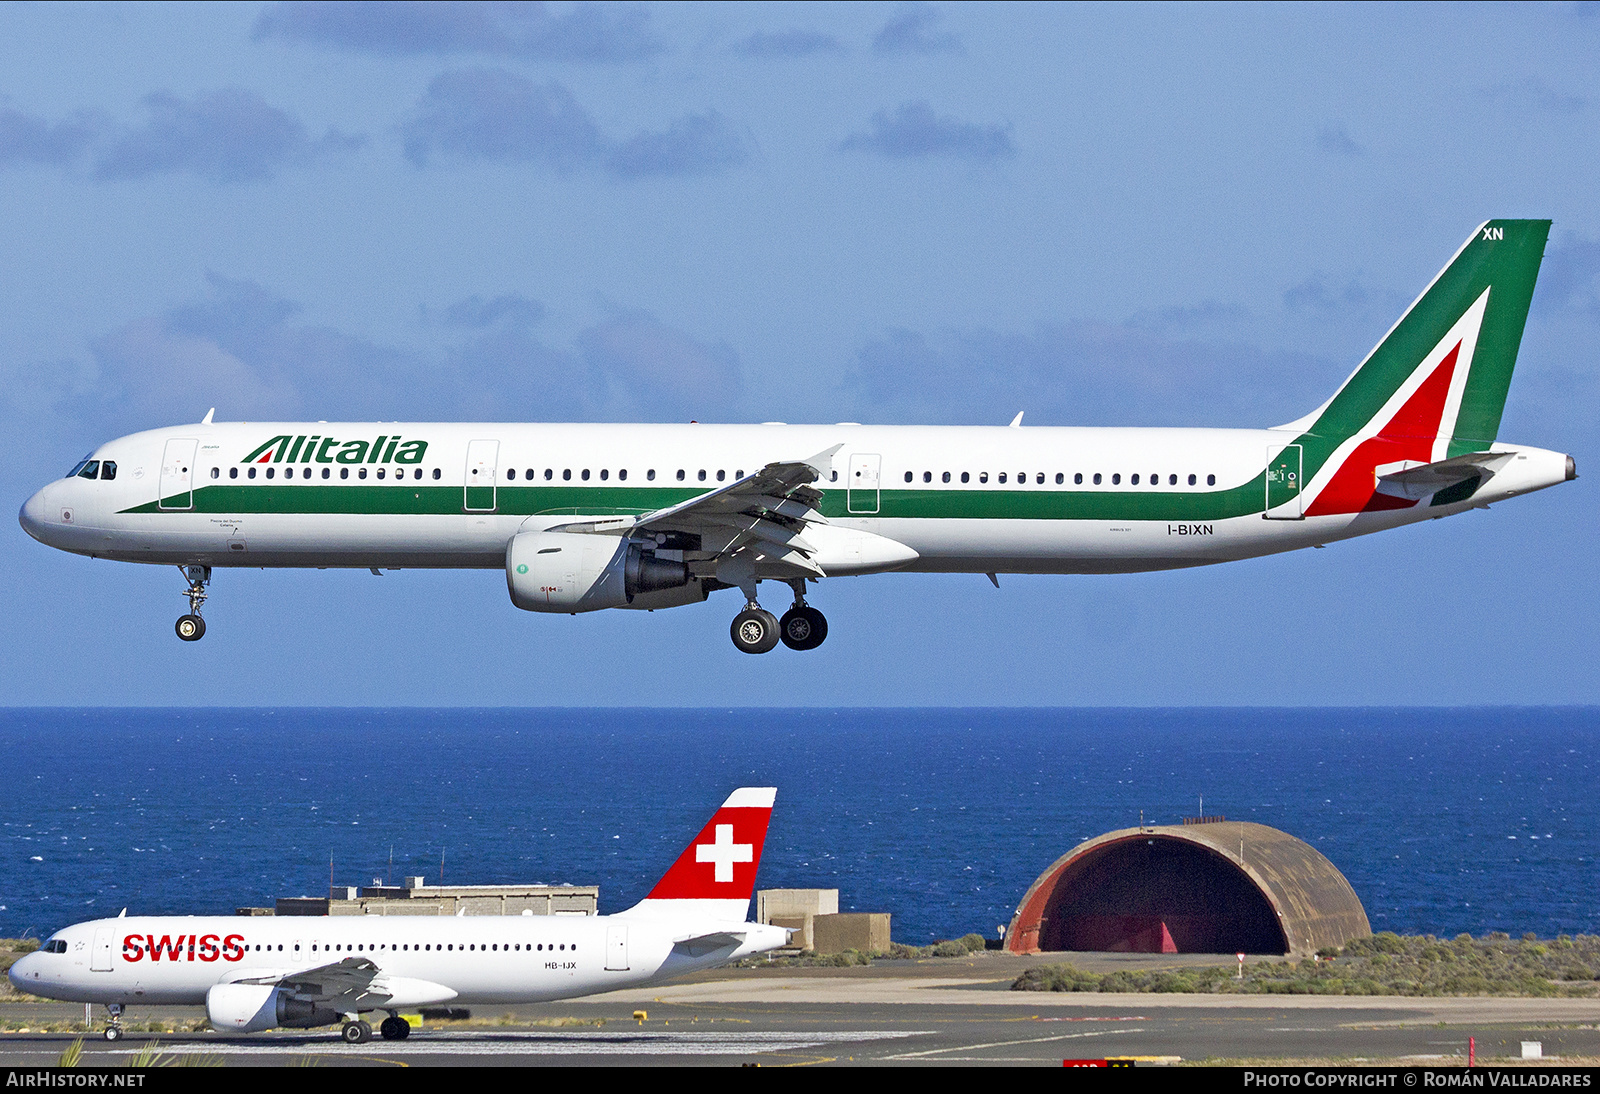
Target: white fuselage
[[424, 960], [978, 499]]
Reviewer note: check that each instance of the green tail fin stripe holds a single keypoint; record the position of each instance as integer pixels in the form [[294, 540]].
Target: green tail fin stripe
[[1502, 255]]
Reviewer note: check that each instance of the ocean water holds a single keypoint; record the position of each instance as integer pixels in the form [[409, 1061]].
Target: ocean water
[[1444, 820]]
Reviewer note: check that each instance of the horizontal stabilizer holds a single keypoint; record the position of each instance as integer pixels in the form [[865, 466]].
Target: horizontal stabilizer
[[698, 945], [1424, 480]]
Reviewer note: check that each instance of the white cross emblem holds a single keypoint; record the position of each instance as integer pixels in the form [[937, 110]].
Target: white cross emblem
[[724, 852]]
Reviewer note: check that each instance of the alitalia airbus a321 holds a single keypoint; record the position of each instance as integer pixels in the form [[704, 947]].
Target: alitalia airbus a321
[[584, 517]]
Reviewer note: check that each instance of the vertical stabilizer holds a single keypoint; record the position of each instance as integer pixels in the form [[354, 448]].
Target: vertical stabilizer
[[715, 875], [1436, 385]]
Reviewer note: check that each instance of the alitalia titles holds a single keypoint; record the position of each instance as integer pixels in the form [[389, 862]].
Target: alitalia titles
[[315, 448]]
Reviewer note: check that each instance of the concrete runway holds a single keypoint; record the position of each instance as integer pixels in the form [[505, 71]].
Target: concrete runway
[[949, 1012]]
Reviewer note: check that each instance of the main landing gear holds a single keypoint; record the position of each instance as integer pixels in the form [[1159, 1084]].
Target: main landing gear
[[191, 627], [356, 1032], [114, 1027], [395, 1028], [802, 627]]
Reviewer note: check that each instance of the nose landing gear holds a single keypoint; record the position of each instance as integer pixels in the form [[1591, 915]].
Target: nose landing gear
[[191, 627], [114, 1027]]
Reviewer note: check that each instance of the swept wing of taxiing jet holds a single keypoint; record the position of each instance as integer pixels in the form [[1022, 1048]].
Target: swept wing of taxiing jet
[[583, 517], [260, 973]]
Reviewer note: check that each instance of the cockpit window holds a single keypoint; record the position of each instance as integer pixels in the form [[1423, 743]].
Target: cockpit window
[[90, 470], [79, 466], [108, 470], [55, 945]]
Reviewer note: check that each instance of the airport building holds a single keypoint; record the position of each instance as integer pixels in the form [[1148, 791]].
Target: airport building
[[1209, 885], [415, 898]]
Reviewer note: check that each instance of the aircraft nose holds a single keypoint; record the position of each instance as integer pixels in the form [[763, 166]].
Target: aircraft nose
[[32, 517], [18, 973]]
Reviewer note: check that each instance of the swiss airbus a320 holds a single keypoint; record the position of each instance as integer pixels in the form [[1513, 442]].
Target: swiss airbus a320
[[585, 517]]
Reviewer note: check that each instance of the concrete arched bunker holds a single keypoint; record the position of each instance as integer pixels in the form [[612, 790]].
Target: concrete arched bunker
[[1187, 889]]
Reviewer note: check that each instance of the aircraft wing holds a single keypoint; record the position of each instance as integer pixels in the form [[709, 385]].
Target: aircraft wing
[[1422, 480], [767, 511], [348, 979]]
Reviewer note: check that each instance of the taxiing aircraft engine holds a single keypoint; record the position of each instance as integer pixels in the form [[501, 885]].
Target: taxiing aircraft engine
[[572, 572], [250, 1008]]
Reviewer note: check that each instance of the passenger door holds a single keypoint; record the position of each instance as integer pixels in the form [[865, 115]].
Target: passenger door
[[861, 493], [100, 958], [1283, 484], [482, 456], [616, 947], [176, 485]]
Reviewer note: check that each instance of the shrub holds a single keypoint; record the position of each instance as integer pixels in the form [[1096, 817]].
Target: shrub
[[949, 949], [973, 942]]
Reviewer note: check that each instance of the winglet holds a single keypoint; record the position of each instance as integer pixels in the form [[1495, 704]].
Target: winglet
[[822, 462], [1016, 423], [207, 419]]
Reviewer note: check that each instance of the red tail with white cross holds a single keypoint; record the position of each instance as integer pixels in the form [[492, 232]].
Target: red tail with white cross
[[716, 874]]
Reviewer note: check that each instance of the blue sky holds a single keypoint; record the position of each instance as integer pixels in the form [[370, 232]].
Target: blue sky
[[889, 213]]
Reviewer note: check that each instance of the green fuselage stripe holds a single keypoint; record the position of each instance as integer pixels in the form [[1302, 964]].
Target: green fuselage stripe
[[1159, 503]]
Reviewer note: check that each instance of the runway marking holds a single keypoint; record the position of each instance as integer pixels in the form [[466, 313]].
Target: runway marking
[[732, 1043], [1006, 1044]]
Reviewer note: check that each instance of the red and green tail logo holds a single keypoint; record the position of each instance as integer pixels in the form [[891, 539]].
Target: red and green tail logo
[[1435, 387]]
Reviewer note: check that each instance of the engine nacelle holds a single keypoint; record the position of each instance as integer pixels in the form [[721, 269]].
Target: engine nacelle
[[250, 1008], [570, 572]]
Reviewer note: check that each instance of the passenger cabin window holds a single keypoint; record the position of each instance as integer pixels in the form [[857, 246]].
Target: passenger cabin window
[[273, 471], [1116, 480], [680, 474], [702, 474], [650, 474], [250, 474], [566, 474], [344, 472], [549, 473], [622, 475], [1077, 479], [585, 474], [721, 475], [511, 473], [437, 473], [966, 477], [908, 476], [1060, 478], [216, 472], [233, 472], [604, 474], [1097, 478], [1191, 480], [1211, 480]]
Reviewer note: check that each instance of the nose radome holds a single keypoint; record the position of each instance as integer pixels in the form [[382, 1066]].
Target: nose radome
[[33, 516], [19, 967]]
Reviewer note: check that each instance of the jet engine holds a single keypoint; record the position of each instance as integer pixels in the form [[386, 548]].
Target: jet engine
[[250, 1008], [571, 572]]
